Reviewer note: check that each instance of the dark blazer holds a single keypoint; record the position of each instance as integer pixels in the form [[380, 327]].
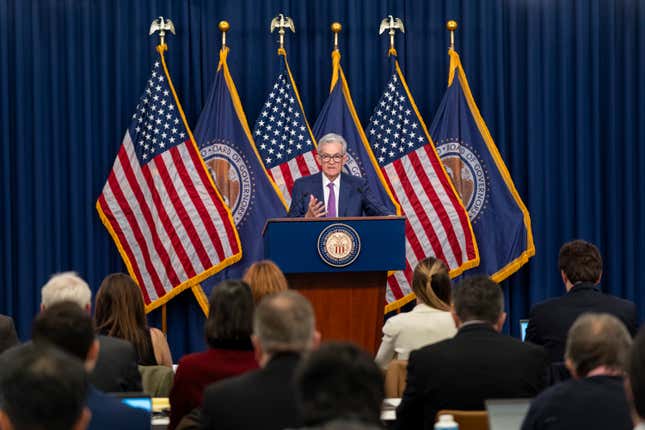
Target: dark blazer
[[355, 197], [263, 399], [549, 321], [460, 373], [116, 368], [8, 335], [597, 402], [108, 413], [196, 371]]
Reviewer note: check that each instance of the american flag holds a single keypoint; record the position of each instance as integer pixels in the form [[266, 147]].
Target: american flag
[[159, 204], [282, 133], [437, 222]]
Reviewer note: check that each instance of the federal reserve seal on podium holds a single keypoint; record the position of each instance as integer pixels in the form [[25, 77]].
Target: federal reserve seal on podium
[[339, 245]]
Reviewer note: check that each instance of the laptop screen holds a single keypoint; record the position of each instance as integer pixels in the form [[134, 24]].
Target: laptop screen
[[506, 414], [135, 400], [523, 325]]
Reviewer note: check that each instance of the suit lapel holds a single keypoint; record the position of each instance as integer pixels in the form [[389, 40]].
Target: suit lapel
[[343, 198]]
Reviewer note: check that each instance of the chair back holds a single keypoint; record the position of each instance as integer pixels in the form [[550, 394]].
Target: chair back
[[156, 380], [395, 376], [468, 420]]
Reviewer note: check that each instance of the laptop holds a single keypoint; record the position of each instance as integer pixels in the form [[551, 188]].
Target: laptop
[[506, 414], [523, 325]]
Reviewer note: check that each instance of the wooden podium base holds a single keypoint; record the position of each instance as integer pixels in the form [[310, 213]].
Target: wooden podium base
[[348, 306]]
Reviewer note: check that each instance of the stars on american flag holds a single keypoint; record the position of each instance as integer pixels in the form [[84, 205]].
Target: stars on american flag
[[394, 129], [280, 131], [156, 123]]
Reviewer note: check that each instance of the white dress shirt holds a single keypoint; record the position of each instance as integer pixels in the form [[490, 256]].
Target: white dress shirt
[[336, 183], [407, 331]]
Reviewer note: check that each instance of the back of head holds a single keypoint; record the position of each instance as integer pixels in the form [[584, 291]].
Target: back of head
[[230, 315], [431, 283], [119, 311], [66, 286], [340, 381], [284, 322], [42, 388], [636, 373], [596, 340], [66, 326], [265, 277], [478, 298], [580, 261]]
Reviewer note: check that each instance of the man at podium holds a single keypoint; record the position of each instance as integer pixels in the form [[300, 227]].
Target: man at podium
[[333, 193]]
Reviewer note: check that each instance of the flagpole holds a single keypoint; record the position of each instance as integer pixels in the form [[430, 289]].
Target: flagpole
[[451, 26], [392, 24], [224, 26], [281, 22], [336, 28]]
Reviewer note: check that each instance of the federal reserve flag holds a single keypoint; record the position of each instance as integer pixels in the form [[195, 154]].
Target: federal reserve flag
[[499, 218], [338, 115], [228, 149], [282, 133], [159, 203], [437, 222]]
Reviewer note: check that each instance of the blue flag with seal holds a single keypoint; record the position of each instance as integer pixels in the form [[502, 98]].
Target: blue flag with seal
[[227, 147], [338, 115], [500, 221]]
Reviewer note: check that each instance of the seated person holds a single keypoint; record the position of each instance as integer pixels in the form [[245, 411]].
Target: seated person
[[332, 193], [580, 267], [43, 388], [8, 335], [430, 320], [119, 312], [69, 328], [265, 277], [340, 386], [596, 352], [479, 363], [228, 334]]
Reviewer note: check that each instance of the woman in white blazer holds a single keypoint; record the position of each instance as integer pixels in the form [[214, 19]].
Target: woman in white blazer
[[430, 320]]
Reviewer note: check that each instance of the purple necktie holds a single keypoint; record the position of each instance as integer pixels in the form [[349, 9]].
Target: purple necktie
[[331, 202]]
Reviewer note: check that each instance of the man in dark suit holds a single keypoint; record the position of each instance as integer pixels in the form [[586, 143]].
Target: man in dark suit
[[477, 364], [596, 352], [66, 326], [116, 369], [8, 336], [331, 192], [266, 398], [635, 380], [580, 266]]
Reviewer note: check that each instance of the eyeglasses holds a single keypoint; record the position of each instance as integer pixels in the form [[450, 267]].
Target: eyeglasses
[[326, 157]]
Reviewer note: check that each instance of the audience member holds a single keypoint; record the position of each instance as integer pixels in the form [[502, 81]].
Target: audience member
[[596, 351], [580, 266], [228, 334], [116, 369], [284, 329], [635, 380], [265, 277], [428, 322], [43, 389], [340, 384], [66, 326], [478, 363], [8, 335], [119, 312]]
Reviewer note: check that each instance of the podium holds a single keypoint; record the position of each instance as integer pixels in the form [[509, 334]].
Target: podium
[[340, 265]]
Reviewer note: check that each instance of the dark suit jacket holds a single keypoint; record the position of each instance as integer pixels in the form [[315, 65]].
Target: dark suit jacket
[[355, 197], [597, 402], [8, 335], [116, 369], [460, 373], [263, 399], [108, 413], [549, 322]]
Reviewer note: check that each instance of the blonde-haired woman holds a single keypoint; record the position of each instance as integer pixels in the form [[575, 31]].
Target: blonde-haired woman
[[265, 277], [430, 320]]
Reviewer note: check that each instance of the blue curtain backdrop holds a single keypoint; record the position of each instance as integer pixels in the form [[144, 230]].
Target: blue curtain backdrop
[[559, 83]]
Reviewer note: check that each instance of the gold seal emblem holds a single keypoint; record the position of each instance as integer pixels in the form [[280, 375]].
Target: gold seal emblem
[[339, 245]]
